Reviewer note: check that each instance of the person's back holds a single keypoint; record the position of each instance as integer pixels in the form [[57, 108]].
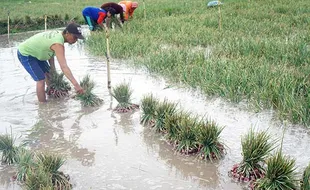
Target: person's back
[[39, 45], [95, 16], [118, 9], [93, 12], [129, 8]]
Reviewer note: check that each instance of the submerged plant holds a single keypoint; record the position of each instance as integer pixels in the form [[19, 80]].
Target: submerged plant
[[255, 149], [162, 111], [122, 93], [280, 174], [8, 149], [148, 106], [58, 87], [305, 183], [88, 98], [208, 137]]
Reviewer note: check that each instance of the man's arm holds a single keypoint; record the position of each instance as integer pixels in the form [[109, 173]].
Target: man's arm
[[59, 50], [122, 17], [51, 61], [101, 19]]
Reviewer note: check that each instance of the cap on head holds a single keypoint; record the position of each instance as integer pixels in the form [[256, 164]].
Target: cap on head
[[75, 29], [134, 4]]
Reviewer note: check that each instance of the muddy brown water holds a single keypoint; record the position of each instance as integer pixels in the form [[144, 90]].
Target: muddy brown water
[[106, 150]]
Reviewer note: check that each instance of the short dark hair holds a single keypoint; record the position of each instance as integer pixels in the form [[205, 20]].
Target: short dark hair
[[111, 10]]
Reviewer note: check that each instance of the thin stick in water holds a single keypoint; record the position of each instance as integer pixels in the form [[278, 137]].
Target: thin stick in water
[[45, 19], [108, 60], [8, 24]]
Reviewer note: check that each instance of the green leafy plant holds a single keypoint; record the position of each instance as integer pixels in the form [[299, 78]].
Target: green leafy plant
[[280, 174], [208, 137], [172, 126], [305, 182], [58, 86], [39, 179], [51, 164], [148, 106], [162, 111], [187, 135], [8, 148], [122, 93], [88, 99], [256, 146], [25, 164]]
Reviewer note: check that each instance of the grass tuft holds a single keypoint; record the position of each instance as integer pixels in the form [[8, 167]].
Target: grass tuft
[[88, 99], [148, 106], [163, 110], [8, 148], [208, 137], [280, 174], [58, 86], [305, 182], [256, 147], [122, 93]]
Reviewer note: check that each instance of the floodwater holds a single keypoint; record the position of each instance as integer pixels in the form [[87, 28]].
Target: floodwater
[[106, 150]]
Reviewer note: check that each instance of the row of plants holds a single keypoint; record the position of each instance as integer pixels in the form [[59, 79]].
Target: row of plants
[[261, 170], [193, 135], [37, 23], [35, 170], [59, 88], [188, 134]]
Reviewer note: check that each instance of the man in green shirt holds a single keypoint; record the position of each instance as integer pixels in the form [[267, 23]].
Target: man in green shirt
[[40, 48]]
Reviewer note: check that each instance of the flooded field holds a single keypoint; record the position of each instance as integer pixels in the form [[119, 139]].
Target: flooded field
[[107, 150]]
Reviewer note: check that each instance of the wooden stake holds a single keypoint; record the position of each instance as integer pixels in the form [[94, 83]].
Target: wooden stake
[[108, 59], [8, 24], [144, 10], [45, 19], [220, 17]]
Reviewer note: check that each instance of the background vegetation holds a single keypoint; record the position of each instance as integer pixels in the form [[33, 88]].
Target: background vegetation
[[261, 53]]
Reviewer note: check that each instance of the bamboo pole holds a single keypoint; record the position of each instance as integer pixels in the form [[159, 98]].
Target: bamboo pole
[[144, 10], [8, 24], [108, 59], [45, 19], [220, 17]]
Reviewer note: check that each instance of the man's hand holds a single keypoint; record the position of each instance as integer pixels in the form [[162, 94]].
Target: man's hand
[[79, 89]]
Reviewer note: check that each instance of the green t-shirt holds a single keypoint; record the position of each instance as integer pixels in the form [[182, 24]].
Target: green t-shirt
[[39, 45]]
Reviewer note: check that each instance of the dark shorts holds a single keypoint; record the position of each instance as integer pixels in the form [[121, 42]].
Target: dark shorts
[[34, 67]]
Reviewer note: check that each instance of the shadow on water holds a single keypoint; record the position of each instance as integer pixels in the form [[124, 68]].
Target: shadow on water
[[49, 133], [6, 172], [187, 167], [124, 121]]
